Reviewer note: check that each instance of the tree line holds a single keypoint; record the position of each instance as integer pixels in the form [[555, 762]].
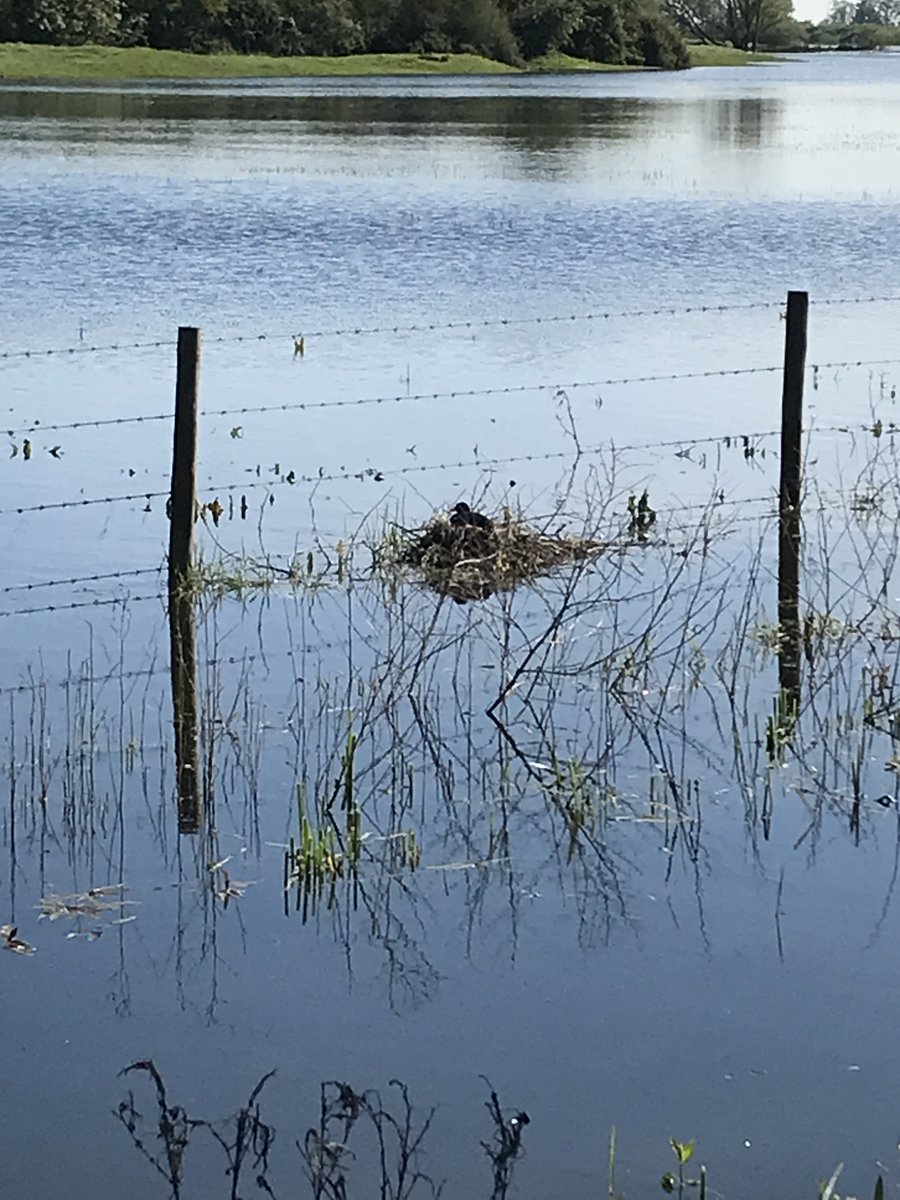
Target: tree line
[[511, 31], [770, 24]]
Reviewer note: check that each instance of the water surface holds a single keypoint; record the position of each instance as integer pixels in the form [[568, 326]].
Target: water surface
[[640, 980]]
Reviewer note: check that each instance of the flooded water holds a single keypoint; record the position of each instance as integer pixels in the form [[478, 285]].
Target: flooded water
[[582, 844]]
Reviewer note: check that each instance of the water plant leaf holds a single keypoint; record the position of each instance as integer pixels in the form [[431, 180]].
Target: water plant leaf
[[879, 1189], [11, 941], [684, 1151]]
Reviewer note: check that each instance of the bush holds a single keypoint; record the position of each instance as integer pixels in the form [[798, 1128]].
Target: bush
[[481, 26], [259, 27], [653, 41], [601, 35], [543, 26], [65, 22]]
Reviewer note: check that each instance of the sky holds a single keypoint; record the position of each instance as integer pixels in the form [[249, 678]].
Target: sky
[[811, 10]]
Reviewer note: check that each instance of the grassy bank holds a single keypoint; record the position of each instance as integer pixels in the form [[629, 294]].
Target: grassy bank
[[22, 62], [726, 56]]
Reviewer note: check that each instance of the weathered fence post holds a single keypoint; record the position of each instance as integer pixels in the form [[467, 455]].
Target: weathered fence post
[[789, 512], [183, 501], [182, 634], [792, 399]]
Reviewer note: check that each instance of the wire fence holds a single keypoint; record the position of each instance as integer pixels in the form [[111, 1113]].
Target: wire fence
[[682, 447], [501, 322], [445, 406]]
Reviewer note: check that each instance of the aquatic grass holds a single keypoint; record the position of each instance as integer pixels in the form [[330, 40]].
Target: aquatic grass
[[243, 574], [570, 791], [321, 857], [326, 853], [613, 671]]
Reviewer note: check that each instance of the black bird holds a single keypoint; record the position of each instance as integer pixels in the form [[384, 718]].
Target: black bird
[[463, 515]]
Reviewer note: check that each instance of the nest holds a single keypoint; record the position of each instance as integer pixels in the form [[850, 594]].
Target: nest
[[471, 562]]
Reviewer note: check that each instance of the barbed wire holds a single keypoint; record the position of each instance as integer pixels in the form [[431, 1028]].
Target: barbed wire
[[79, 579], [98, 423], [87, 502], [710, 507], [438, 326], [825, 302], [379, 475], [76, 604], [64, 351], [459, 394], [234, 660]]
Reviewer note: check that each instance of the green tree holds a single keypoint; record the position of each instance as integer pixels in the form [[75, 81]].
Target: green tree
[[185, 24], [483, 27], [746, 24], [258, 27], [542, 26], [328, 27], [377, 19], [64, 22], [601, 35], [652, 38]]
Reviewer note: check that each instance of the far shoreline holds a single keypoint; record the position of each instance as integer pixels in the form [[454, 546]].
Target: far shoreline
[[28, 63]]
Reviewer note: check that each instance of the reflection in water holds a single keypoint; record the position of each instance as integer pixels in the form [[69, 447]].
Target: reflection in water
[[530, 124], [382, 1140], [183, 643], [747, 121], [557, 753]]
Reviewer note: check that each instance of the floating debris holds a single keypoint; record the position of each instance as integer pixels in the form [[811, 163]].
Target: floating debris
[[11, 941], [82, 904], [232, 889]]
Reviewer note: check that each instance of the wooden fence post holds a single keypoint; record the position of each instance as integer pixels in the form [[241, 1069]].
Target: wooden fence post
[[182, 634], [789, 533], [183, 502], [792, 399]]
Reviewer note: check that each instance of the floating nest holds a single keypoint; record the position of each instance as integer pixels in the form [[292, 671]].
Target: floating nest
[[467, 556]]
